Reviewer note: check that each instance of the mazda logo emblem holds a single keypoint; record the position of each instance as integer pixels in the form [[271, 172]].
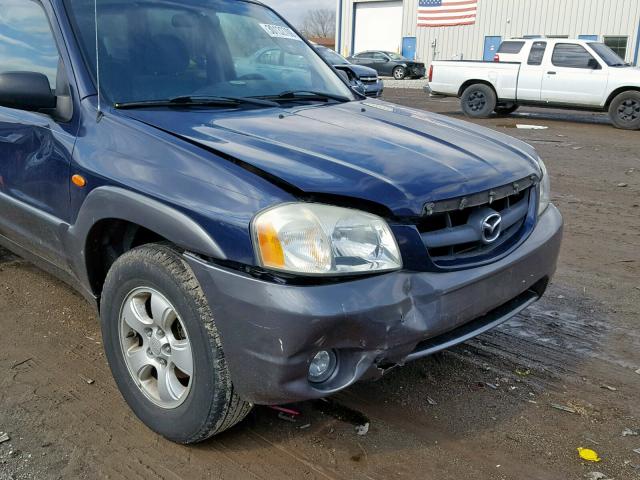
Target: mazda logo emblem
[[491, 228]]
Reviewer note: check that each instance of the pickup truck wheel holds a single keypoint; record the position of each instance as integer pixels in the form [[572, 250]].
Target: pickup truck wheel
[[399, 73], [506, 108], [478, 101], [625, 111], [163, 347]]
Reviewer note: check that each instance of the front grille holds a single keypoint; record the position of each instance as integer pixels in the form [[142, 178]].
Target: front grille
[[368, 79], [453, 231]]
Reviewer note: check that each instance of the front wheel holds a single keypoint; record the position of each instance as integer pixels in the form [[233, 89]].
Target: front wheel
[[399, 73], [478, 101], [625, 111], [164, 349]]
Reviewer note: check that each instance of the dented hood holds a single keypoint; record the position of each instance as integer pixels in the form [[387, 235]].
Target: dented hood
[[372, 150]]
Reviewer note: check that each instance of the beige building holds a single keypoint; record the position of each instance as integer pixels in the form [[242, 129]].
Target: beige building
[[392, 26]]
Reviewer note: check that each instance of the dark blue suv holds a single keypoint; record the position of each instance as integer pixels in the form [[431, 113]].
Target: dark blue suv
[[251, 230]]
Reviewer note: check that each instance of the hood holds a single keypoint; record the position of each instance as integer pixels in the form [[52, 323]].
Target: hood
[[360, 70], [371, 150]]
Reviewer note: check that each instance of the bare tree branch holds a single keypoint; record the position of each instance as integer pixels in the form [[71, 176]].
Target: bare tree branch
[[319, 22]]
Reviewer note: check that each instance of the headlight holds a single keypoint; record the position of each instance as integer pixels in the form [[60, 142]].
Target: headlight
[[545, 189], [314, 239]]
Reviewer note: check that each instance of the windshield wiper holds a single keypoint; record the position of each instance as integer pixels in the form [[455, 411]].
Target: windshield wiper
[[308, 95], [198, 101]]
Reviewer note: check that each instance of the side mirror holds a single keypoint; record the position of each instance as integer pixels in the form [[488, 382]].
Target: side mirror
[[26, 91], [593, 64]]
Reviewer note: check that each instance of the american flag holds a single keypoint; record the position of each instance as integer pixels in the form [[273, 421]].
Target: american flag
[[447, 13]]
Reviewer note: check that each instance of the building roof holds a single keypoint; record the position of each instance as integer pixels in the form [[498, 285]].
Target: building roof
[[325, 42]]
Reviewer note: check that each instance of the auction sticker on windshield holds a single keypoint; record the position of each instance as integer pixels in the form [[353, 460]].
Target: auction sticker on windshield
[[279, 31]]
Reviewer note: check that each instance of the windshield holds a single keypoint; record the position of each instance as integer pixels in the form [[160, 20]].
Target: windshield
[[332, 57], [152, 51], [610, 57]]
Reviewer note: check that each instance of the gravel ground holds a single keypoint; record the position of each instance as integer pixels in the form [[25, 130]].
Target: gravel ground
[[483, 410], [390, 82]]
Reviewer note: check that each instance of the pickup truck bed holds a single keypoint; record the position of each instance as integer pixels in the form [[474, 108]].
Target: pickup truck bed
[[453, 77]]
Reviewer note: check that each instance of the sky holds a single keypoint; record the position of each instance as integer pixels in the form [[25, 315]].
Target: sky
[[294, 10], [22, 25]]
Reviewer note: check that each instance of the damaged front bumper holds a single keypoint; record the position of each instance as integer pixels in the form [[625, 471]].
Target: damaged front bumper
[[374, 89], [271, 332]]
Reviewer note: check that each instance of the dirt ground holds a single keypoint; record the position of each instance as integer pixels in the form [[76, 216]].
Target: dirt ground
[[483, 410]]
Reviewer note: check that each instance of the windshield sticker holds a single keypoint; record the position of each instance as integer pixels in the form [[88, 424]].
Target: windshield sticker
[[279, 31]]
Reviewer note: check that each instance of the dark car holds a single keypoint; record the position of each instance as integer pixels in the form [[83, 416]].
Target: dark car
[[364, 79], [390, 64], [251, 235]]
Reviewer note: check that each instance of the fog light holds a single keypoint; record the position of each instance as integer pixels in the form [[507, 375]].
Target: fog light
[[322, 366]]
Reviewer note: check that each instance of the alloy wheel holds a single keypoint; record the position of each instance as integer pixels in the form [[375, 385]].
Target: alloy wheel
[[156, 347]]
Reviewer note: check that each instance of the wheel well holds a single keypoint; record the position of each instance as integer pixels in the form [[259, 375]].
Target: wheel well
[[468, 83], [617, 92], [109, 239]]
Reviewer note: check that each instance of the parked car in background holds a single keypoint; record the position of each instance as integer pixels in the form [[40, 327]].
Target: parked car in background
[[365, 80], [390, 64], [251, 235], [274, 64], [558, 73]]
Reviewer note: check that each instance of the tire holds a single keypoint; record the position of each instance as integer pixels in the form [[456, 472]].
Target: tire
[[399, 73], [506, 108], [155, 290], [624, 111], [478, 101]]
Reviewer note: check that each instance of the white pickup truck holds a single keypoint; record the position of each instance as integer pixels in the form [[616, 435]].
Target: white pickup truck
[[557, 73]]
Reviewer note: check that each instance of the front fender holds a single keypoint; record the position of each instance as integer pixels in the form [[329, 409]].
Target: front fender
[[119, 204]]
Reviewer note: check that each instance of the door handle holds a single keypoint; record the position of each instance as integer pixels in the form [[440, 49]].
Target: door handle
[[551, 73]]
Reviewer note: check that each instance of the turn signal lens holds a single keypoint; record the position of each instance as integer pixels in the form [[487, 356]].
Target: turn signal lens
[[78, 180], [270, 247]]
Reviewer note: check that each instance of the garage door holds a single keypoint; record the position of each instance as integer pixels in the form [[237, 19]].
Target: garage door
[[378, 26]]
